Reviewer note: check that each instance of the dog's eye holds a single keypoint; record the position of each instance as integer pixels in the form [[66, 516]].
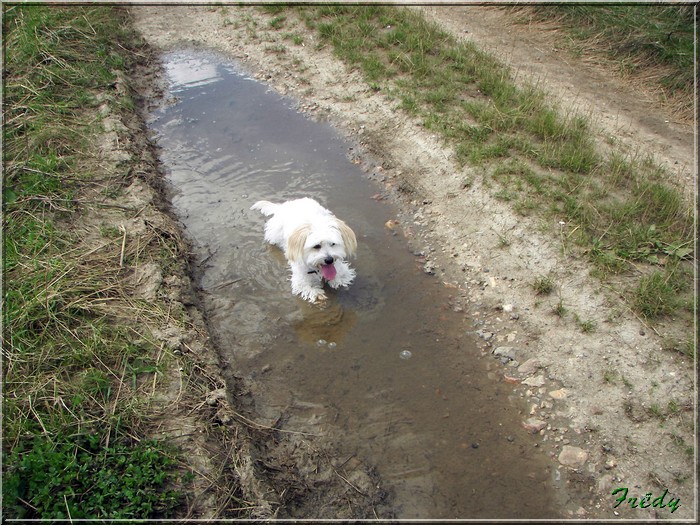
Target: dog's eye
[[332, 244], [317, 247]]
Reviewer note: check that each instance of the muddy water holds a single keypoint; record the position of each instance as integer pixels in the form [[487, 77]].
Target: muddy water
[[386, 367]]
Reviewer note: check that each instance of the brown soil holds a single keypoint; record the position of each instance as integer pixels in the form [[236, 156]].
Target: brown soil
[[606, 392]]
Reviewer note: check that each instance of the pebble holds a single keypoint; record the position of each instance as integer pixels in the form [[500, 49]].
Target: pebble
[[530, 366], [215, 395], [534, 425], [605, 482], [505, 351], [559, 394], [484, 335], [610, 464], [571, 456], [534, 381]]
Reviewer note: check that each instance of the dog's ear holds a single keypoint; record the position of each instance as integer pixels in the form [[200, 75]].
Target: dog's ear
[[348, 237], [296, 242]]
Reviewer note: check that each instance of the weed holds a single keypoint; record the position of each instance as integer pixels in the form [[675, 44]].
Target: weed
[[77, 477], [689, 450], [609, 376], [658, 293], [560, 310], [503, 240], [587, 326], [277, 22], [543, 285], [296, 38], [654, 410]]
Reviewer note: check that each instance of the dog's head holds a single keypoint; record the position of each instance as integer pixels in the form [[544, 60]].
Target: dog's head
[[321, 245]]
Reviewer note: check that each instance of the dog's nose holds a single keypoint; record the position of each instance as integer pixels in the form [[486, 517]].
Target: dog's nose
[[328, 260]]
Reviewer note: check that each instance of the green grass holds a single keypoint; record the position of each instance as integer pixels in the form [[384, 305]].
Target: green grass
[[646, 40], [80, 478], [621, 210], [543, 285], [73, 399]]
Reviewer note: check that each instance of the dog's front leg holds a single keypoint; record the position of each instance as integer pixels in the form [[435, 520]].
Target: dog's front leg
[[307, 285]]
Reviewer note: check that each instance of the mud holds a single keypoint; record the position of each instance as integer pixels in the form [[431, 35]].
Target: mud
[[596, 434]]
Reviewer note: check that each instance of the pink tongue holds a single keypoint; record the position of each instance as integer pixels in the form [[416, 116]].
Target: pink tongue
[[328, 271]]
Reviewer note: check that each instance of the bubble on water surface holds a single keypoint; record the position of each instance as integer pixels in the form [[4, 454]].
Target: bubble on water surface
[[405, 354]]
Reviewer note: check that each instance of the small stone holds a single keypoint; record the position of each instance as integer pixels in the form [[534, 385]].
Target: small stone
[[535, 381], [534, 425], [605, 483], [530, 366], [610, 463], [571, 456], [505, 351], [484, 335], [559, 394], [214, 396]]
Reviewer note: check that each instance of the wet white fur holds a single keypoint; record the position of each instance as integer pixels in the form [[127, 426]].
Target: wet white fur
[[309, 234]]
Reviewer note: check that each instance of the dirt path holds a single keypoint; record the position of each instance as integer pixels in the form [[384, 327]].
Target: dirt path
[[623, 109], [612, 408]]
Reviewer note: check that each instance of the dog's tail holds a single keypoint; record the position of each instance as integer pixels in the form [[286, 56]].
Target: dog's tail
[[265, 207]]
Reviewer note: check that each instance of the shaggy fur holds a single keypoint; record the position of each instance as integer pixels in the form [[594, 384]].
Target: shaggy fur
[[315, 242]]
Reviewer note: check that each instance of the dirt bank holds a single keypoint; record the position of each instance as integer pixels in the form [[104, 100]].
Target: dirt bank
[[612, 407]]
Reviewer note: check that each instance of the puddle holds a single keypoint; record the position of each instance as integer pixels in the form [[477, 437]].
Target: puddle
[[387, 367]]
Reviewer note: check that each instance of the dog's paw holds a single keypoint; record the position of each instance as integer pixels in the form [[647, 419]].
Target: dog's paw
[[321, 300], [313, 295]]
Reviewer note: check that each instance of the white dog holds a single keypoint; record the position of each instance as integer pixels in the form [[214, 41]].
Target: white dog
[[315, 243]]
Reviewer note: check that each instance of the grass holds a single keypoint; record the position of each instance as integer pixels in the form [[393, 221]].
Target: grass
[[80, 365], [652, 42], [120, 481], [543, 285], [621, 209]]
